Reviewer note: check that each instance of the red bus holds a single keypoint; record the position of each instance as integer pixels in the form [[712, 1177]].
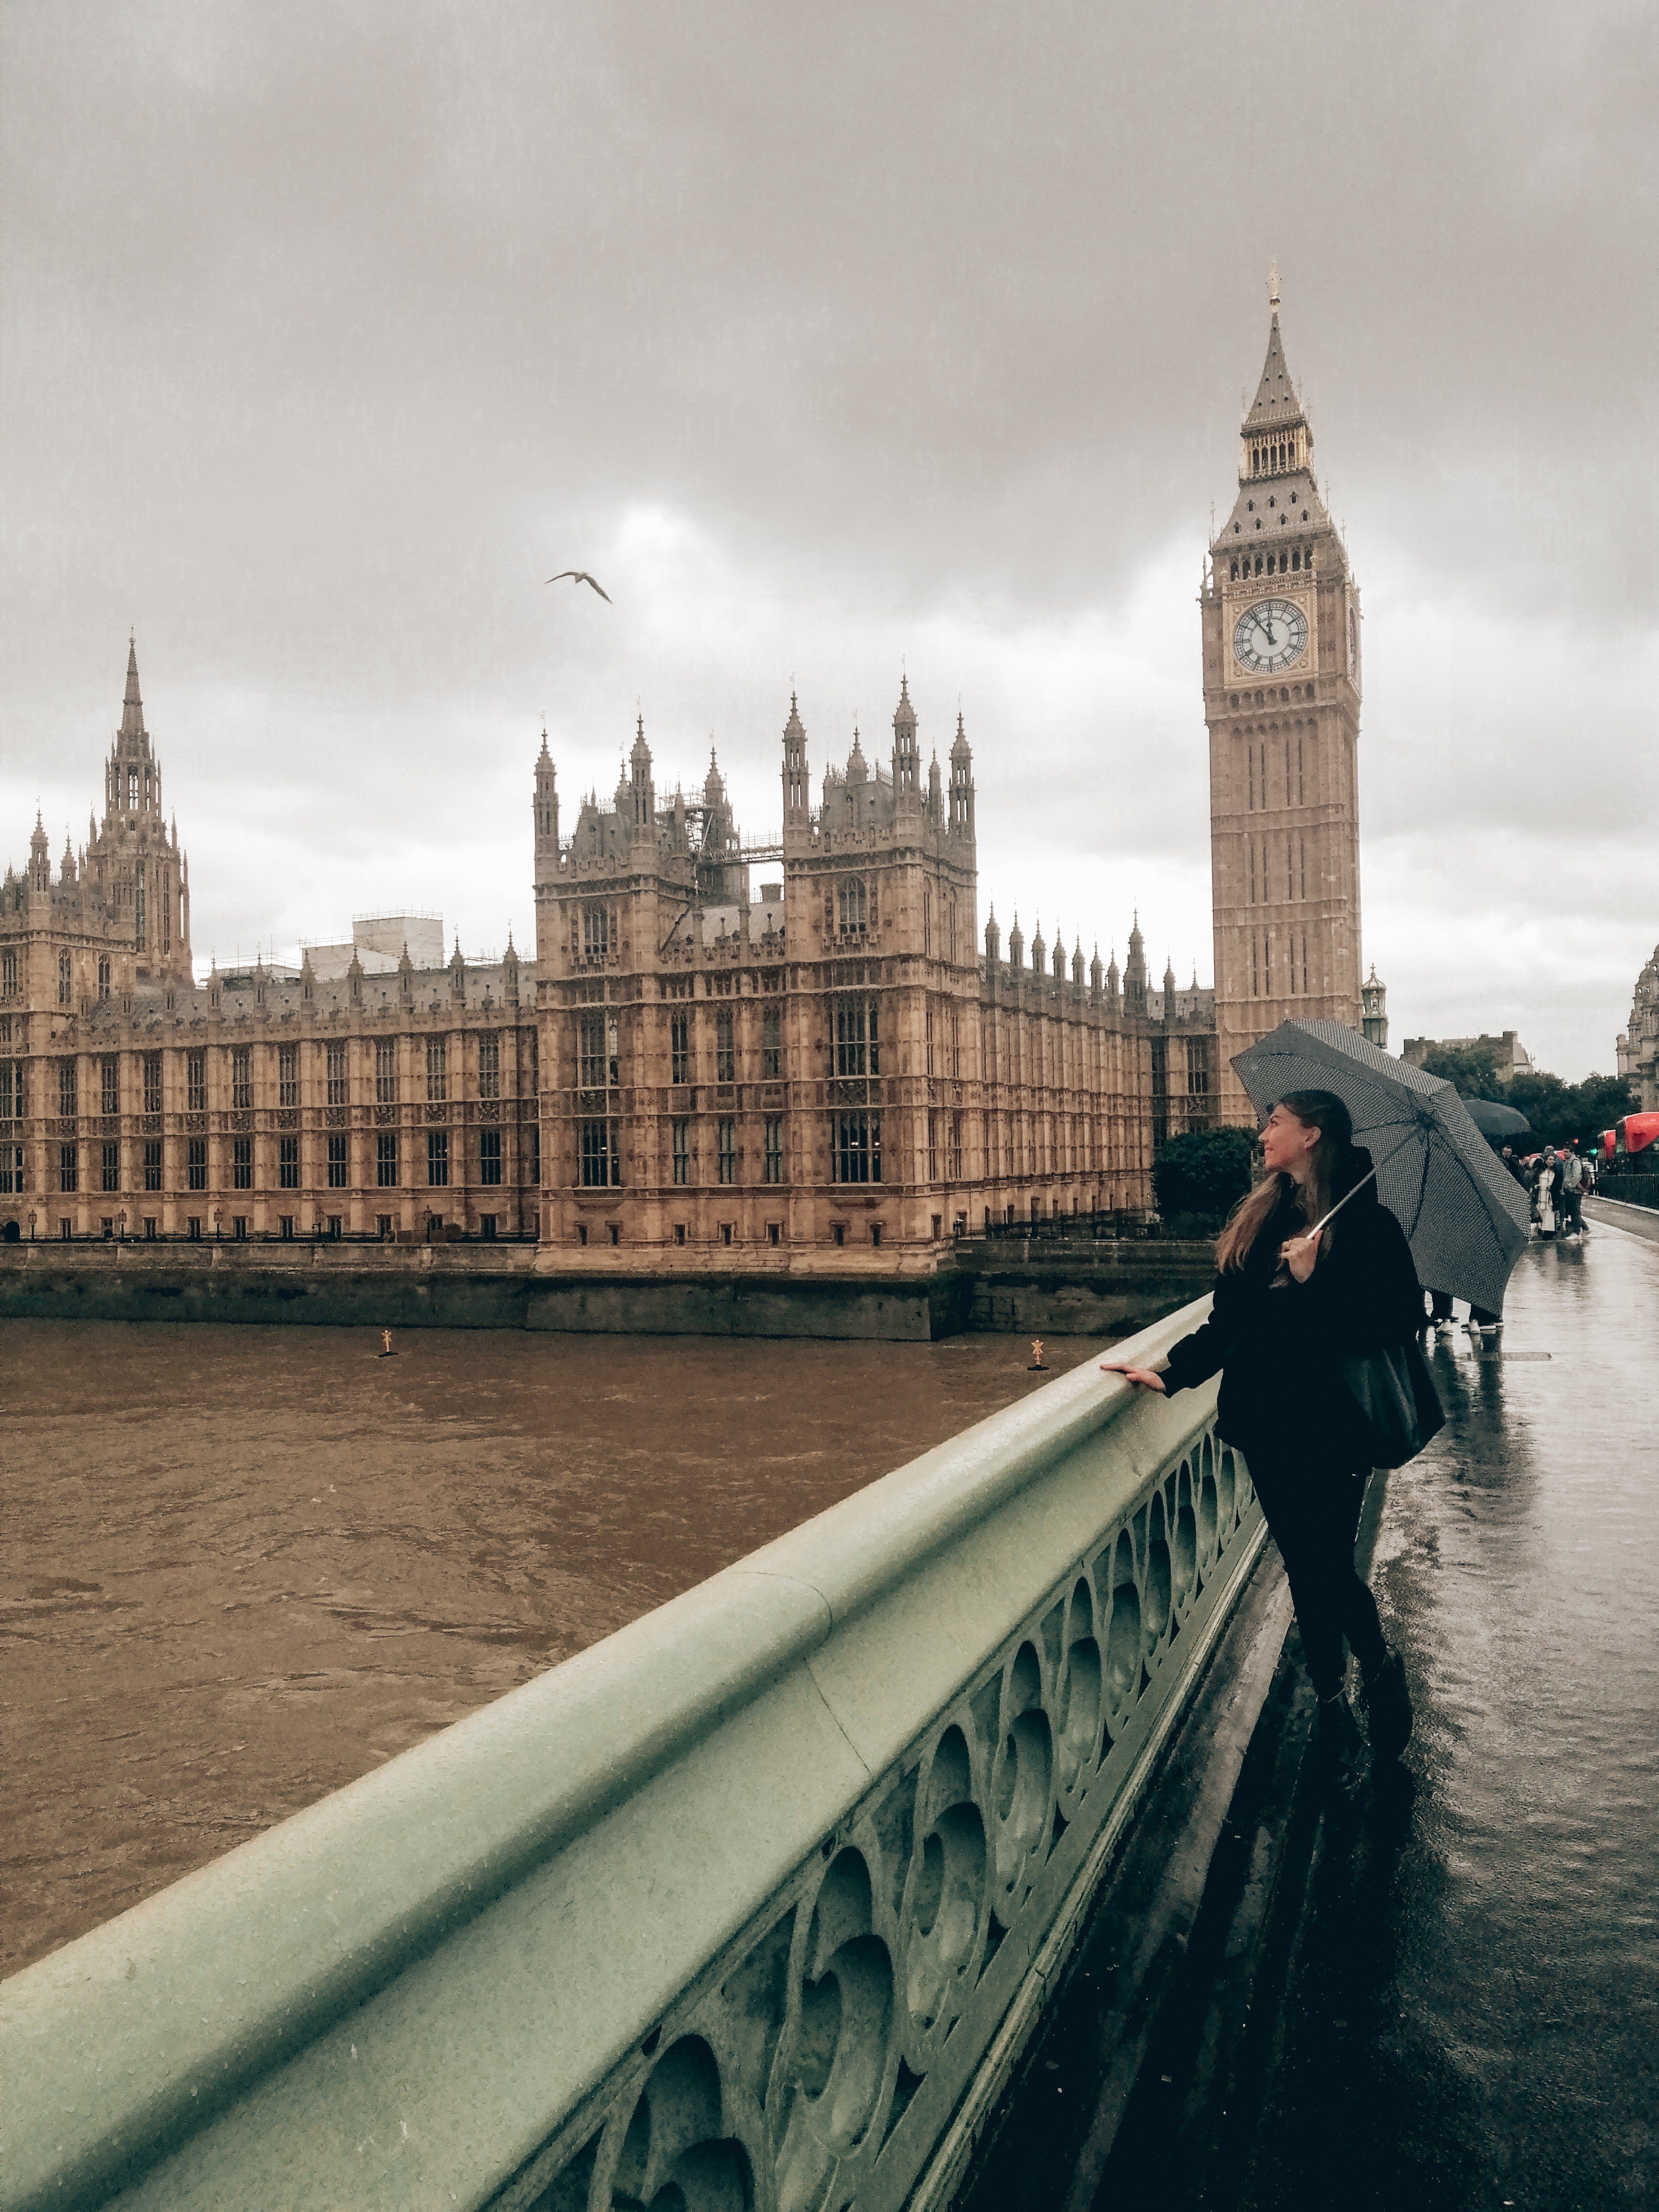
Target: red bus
[[1631, 1139]]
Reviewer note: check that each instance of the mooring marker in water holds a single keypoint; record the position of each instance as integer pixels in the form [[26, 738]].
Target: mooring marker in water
[[386, 1338], [1037, 1364]]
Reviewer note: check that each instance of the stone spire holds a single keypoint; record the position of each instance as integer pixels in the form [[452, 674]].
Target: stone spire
[[1276, 404], [132, 705]]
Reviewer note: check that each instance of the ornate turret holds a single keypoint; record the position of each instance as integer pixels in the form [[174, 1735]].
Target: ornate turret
[[1114, 979], [1374, 1010], [510, 971], [856, 770], [797, 805], [1077, 962], [1134, 972], [905, 755], [1059, 959], [1015, 944], [66, 867], [961, 784], [405, 975], [545, 807], [935, 794], [39, 857], [1039, 950], [457, 973], [642, 793], [1169, 988], [992, 938], [1097, 973]]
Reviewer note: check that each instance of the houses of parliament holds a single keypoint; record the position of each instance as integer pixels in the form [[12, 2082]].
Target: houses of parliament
[[848, 1062]]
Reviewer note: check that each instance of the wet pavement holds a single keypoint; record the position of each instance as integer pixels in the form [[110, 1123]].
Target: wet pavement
[[1444, 1995], [243, 1567]]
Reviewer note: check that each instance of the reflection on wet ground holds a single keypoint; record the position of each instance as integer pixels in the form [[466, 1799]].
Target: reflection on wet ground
[[1473, 2016], [243, 1565]]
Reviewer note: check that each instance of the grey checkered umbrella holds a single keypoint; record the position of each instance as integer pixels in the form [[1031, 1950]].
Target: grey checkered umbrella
[[1466, 1218]]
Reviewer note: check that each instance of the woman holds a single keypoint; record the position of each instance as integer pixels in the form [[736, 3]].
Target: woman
[[1543, 1202], [1286, 1309]]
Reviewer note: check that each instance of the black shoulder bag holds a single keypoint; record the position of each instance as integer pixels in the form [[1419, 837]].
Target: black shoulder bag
[[1397, 1400]]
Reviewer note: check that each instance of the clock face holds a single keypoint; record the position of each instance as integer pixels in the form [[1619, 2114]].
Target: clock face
[[1271, 636]]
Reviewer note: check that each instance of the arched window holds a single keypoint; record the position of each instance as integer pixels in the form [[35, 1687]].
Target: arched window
[[1235, 574], [1296, 558], [852, 906]]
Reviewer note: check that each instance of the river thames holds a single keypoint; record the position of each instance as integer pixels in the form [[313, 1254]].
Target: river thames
[[246, 1566]]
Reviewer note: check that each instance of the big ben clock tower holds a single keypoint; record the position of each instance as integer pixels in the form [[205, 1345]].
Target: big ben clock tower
[[1281, 700]]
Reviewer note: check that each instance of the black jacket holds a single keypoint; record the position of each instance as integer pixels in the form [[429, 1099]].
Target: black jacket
[[1278, 1351]]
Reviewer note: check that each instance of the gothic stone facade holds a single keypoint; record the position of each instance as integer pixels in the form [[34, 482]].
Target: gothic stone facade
[[264, 1104], [685, 1070], [835, 1064], [1280, 618]]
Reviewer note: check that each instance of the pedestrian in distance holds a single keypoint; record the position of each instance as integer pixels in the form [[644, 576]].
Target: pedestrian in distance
[[1572, 1192], [1544, 1195], [1287, 1309]]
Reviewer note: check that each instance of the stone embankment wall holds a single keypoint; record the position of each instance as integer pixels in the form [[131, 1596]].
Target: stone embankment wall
[[1096, 1290]]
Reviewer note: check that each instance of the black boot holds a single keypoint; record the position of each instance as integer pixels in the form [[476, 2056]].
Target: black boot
[[1338, 1743], [1389, 1707]]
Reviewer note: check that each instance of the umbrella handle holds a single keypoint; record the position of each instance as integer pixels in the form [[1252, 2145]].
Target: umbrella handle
[[1360, 1185]]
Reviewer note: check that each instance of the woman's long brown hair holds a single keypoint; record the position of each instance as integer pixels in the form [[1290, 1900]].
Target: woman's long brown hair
[[1315, 1109]]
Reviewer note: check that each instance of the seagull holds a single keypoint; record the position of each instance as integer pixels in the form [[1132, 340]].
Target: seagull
[[581, 576]]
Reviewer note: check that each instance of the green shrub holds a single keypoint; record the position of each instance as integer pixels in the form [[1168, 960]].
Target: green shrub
[[1202, 1176]]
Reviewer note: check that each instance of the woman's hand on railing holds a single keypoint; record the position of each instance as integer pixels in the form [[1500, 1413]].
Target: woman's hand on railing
[[1145, 1376]]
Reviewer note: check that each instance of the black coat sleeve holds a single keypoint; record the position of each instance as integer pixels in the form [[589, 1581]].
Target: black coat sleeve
[[1207, 1350]]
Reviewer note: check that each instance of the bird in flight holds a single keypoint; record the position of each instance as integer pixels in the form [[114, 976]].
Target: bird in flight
[[581, 576]]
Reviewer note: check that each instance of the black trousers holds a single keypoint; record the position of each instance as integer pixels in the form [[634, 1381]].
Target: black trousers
[[1312, 1500]]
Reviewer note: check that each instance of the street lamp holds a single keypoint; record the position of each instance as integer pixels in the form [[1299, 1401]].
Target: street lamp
[[218, 1224]]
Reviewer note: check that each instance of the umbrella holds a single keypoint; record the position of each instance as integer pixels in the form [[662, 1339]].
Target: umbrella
[[1496, 1121], [1465, 1217]]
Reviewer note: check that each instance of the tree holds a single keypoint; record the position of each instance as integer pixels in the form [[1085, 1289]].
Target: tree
[[1202, 1174], [1473, 1070], [1549, 1105], [1601, 1101]]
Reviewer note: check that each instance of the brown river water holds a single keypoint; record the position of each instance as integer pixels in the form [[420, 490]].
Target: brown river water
[[243, 1567]]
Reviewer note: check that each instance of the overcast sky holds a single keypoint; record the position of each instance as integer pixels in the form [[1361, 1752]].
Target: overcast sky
[[834, 341]]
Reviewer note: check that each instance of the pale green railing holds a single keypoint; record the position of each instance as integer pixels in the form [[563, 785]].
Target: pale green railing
[[747, 1905]]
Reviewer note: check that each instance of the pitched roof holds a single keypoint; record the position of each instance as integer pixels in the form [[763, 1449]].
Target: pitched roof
[[1276, 403]]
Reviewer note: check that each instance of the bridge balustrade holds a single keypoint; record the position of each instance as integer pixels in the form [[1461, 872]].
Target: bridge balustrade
[[751, 1905]]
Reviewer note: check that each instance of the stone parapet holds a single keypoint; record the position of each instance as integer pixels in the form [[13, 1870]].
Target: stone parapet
[[745, 1901]]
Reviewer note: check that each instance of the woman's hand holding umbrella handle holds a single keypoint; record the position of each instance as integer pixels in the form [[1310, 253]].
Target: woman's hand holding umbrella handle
[[1300, 1254], [1145, 1376]]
